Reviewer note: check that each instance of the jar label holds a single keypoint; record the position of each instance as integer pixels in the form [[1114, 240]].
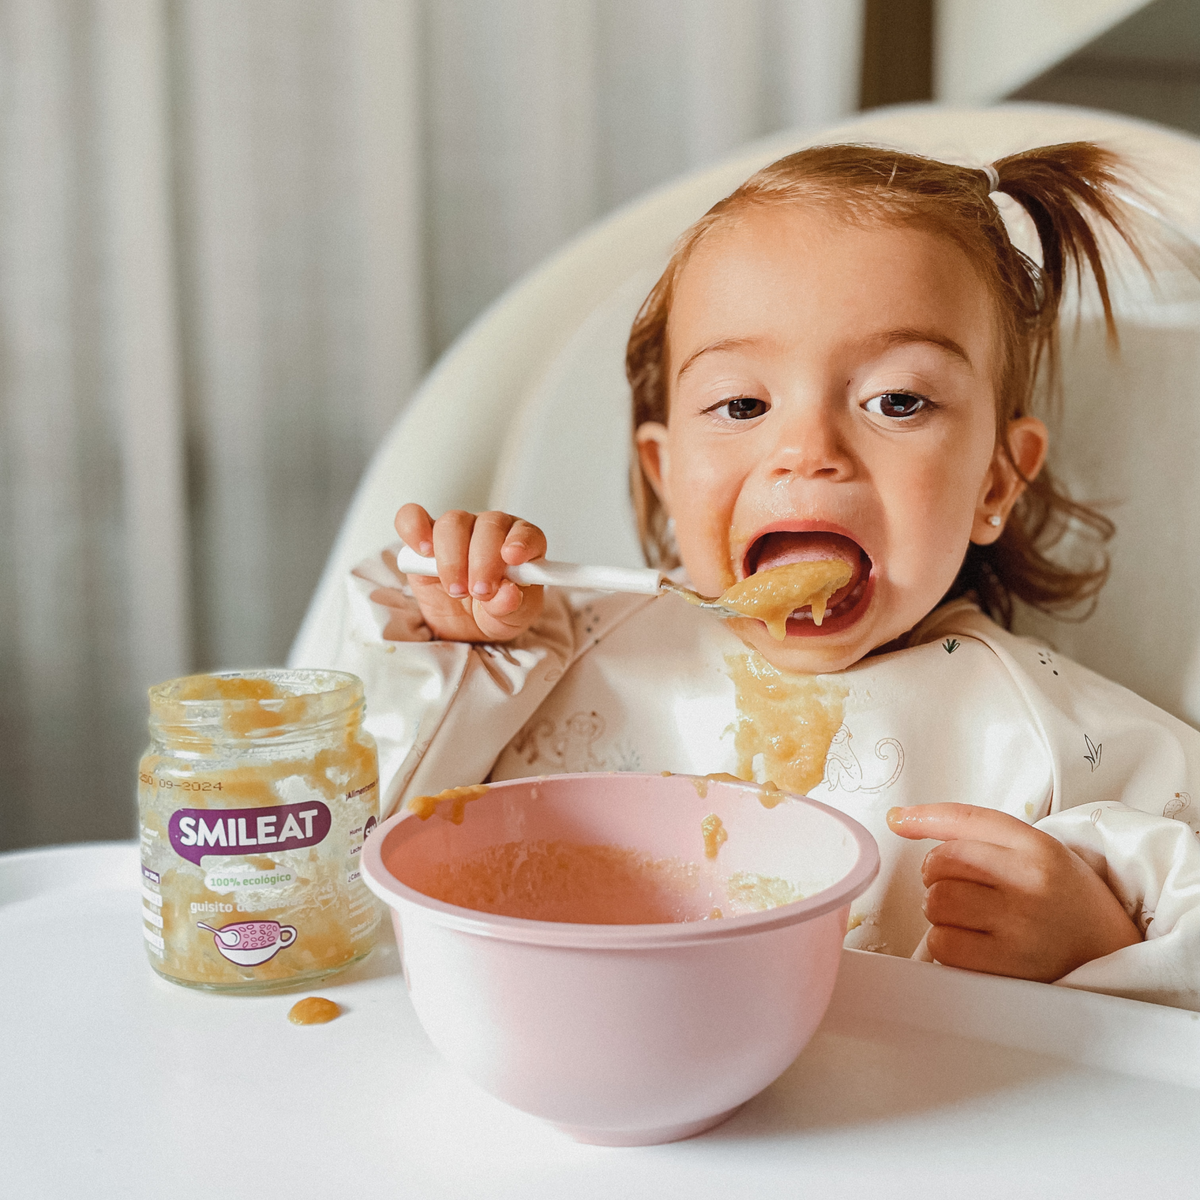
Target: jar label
[[197, 832]]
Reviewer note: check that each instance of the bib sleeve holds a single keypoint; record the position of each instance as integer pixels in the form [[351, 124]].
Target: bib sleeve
[[440, 712]]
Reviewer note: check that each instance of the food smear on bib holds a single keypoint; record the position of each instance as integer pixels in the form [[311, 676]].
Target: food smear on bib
[[785, 723]]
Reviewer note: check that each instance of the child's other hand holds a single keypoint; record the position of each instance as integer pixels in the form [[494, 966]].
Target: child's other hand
[[470, 600], [1006, 898]]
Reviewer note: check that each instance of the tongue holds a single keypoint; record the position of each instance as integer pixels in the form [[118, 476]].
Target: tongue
[[779, 549]]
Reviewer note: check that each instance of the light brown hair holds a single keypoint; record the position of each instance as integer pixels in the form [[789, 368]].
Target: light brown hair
[[1064, 189]]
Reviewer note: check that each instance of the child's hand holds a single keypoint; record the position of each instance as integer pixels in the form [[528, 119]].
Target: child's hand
[[1006, 898], [471, 601]]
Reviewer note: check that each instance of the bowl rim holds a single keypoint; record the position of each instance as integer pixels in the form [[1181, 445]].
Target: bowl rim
[[398, 895]]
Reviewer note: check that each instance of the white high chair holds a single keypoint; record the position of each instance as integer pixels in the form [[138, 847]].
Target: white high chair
[[922, 1080], [529, 411]]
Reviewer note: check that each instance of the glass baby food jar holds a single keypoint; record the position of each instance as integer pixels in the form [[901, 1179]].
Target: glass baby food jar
[[255, 796]]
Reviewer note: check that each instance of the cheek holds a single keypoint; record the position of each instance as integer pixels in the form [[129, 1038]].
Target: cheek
[[933, 512], [703, 486]]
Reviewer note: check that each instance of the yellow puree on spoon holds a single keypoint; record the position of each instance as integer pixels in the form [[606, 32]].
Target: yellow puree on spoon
[[773, 595]]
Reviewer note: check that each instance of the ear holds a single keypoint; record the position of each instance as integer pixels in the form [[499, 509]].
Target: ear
[[1002, 485], [651, 438]]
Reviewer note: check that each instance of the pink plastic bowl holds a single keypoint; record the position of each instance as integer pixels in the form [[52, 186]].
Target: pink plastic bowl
[[626, 1034]]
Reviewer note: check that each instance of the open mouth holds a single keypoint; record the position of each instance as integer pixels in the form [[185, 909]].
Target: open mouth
[[783, 546]]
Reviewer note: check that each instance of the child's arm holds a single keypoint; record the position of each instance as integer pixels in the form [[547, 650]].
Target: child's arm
[[443, 702], [471, 601], [1008, 899]]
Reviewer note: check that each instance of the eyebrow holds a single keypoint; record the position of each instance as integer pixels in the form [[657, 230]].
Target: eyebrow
[[735, 343], [906, 337], [886, 340]]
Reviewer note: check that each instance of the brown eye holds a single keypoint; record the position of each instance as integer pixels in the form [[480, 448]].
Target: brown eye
[[744, 408], [897, 405]]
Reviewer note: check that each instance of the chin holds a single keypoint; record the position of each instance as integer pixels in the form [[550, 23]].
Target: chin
[[805, 655]]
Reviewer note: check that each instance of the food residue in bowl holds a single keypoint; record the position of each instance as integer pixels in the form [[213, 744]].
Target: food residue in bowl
[[594, 885], [313, 1010], [714, 833], [749, 891], [773, 595], [701, 782], [456, 799]]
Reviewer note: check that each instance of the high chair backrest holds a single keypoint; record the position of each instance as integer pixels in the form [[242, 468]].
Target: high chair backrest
[[529, 410]]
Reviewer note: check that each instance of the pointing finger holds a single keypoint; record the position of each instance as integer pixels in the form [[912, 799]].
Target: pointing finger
[[952, 822]]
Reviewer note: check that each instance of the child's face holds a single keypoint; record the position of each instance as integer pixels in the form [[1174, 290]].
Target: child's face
[[831, 379]]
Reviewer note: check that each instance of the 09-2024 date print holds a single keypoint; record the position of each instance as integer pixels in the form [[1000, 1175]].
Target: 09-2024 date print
[[182, 785]]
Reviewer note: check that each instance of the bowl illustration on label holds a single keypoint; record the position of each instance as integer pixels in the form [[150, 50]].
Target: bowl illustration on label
[[249, 943]]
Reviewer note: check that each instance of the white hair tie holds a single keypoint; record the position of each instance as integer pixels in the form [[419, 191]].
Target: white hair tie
[[993, 178]]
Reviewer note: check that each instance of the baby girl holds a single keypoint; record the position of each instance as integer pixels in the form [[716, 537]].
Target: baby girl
[[839, 364]]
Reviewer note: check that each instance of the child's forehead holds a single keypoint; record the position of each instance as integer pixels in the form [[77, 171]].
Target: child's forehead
[[795, 233], [765, 262]]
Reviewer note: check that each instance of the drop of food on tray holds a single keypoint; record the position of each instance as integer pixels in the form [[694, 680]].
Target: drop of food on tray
[[773, 595], [313, 1010], [456, 800], [786, 721], [715, 835]]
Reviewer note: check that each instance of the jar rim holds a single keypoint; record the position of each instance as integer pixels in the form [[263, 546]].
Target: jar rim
[[305, 698]]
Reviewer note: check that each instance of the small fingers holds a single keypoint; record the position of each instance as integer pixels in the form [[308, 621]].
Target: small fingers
[[973, 862], [485, 566], [966, 948], [451, 547], [523, 543], [415, 526], [509, 613], [948, 822], [507, 600], [962, 905]]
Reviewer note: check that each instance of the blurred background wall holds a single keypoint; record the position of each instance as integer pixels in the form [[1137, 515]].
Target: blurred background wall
[[234, 236]]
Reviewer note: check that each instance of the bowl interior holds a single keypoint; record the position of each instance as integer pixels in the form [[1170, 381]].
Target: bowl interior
[[770, 856]]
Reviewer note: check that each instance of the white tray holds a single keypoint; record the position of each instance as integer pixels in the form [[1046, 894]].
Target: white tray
[[921, 1082]]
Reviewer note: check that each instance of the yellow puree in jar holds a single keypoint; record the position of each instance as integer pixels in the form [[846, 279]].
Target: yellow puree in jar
[[333, 928]]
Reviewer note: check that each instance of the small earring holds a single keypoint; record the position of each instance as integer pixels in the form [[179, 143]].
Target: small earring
[[671, 546], [994, 519]]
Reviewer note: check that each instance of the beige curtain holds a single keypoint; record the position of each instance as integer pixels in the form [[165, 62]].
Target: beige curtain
[[232, 238]]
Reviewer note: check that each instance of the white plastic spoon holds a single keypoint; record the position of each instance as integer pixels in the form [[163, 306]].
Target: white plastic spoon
[[642, 581]]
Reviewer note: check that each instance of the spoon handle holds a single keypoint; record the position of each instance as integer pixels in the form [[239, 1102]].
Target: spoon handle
[[643, 581]]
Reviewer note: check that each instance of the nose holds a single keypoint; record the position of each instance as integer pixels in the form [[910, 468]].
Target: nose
[[812, 442]]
